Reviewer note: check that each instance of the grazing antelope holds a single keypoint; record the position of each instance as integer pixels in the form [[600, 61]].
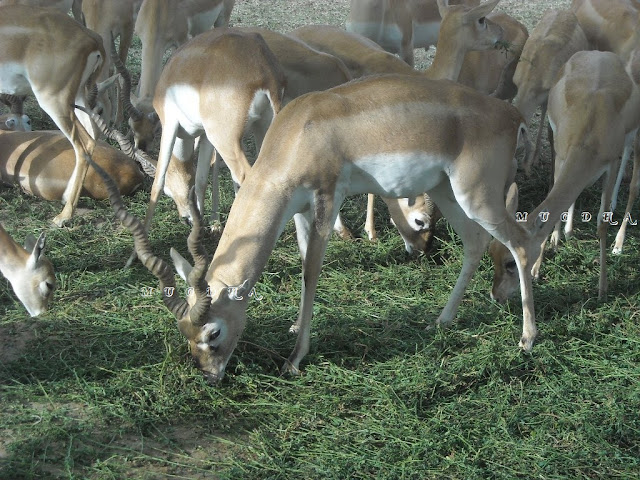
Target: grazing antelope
[[462, 30], [165, 24], [399, 26], [418, 135], [15, 122], [28, 270], [54, 57], [613, 26], [555, 38], [42, 163], [593, 107]]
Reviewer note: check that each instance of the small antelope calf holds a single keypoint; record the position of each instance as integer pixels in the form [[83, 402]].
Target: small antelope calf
[[28, 270]]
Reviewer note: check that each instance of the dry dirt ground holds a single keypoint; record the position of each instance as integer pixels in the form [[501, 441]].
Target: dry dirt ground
[[187, 447]]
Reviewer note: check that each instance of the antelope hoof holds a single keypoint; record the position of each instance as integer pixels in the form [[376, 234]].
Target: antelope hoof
[[294, 328], [60, 220], [526, 343], [444, 322], [345, 234], [288, 369], [616, 251]]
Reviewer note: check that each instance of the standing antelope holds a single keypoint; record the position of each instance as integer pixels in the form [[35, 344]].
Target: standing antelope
[[555, 38], [613, 26], [28, 270], [54, 57], [163, 24], [593, 106], [416, 135], [462, 30], [398, 26], [213, 87], [109, 19]]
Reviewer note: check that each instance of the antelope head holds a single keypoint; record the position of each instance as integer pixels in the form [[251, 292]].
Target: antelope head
[[203, 317]]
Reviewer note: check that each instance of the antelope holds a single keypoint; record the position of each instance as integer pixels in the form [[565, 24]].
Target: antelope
[[52, 56], [215, 100], [612, 26], [462, 30], [491, 71], [418, 135], [42, 162], [62, 6], [555, 38], [164, 24], [15, 122], [279, 60], [28, 270], [398, 26], [593, 107], [108, 19]]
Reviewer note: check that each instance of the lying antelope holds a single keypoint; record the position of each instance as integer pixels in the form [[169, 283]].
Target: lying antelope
[[54, 57], [593, 106], [419, 135], [398, 26], [28, 270], [42, 163], [462, 30]]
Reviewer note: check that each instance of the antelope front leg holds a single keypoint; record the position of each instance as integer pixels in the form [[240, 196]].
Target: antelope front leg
[[474, 240], [369, 224], [312, 248]]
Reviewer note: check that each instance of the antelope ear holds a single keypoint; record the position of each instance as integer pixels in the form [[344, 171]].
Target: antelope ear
[[443, 7], [36, 247], [183, 267], [239, 292], [483, 9]]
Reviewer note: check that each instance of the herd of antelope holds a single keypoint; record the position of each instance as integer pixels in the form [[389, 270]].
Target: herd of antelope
[[333, 112]]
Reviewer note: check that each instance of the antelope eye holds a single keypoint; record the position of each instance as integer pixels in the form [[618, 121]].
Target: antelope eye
[[213, 336], [49, 285], [511, 266], [481, 21]]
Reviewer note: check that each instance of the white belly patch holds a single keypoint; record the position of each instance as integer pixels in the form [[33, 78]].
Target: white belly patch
[[399, 174]]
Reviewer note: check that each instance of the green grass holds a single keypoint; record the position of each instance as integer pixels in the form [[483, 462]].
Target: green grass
[[102, 386]]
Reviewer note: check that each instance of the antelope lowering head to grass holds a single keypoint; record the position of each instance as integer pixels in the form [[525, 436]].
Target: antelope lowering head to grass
[[593, 108], [15, 122], [417, 135], [54, 57], [28, 270]]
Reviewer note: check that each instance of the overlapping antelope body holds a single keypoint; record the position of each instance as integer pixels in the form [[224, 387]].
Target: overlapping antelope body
[[418, 135], [593, 107], [213, 88], [398, 26], [54, 57], [42, 163], [165, 24], [111, 19], [462, 30], [28, 270], [555, 38]]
